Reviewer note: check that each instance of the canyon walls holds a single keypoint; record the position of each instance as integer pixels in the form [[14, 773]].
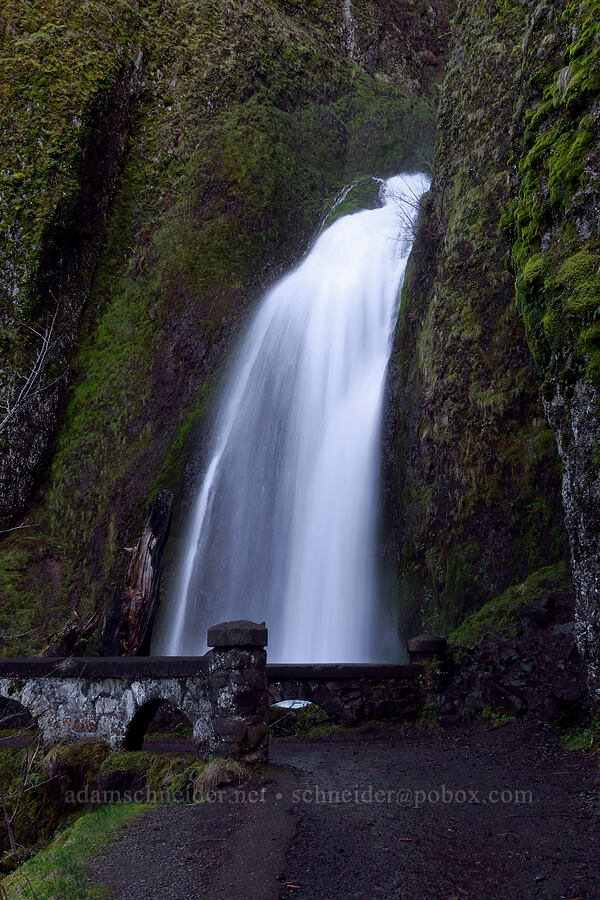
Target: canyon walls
[[496, 354]]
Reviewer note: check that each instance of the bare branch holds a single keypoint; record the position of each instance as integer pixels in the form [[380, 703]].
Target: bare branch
[[30, 379], [19, 527]]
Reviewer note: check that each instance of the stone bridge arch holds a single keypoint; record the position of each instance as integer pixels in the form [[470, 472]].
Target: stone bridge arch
[[138, 726], [183, 695], [14, 713], [223, 693], [349, 693]]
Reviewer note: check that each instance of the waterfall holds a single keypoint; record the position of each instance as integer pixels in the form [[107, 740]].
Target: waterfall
[[285, 522]]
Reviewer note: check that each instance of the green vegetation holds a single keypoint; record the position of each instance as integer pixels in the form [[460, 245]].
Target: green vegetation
[[33, 811], [35, 784], [296, 721], [476, 483], [495, 719], [181, 730], [61, 870], [37, 791], [312, 721], [364, 194], [587, 739], [305, 721], [561, 302], [499, 616], [59, 61], [249, 120], [159, 771]]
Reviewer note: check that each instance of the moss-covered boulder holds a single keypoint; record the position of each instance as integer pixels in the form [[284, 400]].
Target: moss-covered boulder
[[532, 600]]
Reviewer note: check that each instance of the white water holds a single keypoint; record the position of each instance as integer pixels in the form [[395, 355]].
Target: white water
[[284, 526]]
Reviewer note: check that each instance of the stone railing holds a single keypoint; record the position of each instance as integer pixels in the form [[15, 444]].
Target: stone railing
[[353, 692], [225, 694]]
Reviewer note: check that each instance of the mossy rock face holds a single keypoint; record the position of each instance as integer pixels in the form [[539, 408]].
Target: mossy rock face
[[362, 194], [242, 123], [132, 771], [71, 74], [554, 216], [507, 260], [504, 615], [472, 471], [78, 763]]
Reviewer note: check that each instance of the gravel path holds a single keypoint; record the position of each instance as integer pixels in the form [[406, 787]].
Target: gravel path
[[467, 813]]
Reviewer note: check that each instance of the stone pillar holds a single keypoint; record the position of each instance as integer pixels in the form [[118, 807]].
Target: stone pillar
[[238, 691], [426, 646]]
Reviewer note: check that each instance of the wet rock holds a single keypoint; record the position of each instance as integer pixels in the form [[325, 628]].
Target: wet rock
[[474, 701], [538, 611], [426, 646], [502, 698]]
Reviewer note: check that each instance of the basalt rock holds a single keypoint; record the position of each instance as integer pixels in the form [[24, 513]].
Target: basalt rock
[[536, 672]]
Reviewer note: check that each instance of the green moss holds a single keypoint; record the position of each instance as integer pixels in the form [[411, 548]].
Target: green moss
[[496, 720], [184, 782], [83, 757], [557, 154], [566, 160], [535, 269], [59, 58], [160, 770], [20, 609], [308, 717], [252, 119], [579, 276], [587, 739], [35, 809], [363, 194], [62, 869], [497, 616], [553, 325]]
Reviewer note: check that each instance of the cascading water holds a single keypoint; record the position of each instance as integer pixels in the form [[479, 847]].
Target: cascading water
[[284, 526]]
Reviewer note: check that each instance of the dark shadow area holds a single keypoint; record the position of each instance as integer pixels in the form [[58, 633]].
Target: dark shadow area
[[297, 718], [17, 727], [160, 727]]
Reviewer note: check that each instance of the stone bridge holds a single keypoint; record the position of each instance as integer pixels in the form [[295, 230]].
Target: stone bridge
[[350, 693], [225, 694]]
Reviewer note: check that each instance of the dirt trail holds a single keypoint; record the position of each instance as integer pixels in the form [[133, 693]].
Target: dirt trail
[[434, 815]]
